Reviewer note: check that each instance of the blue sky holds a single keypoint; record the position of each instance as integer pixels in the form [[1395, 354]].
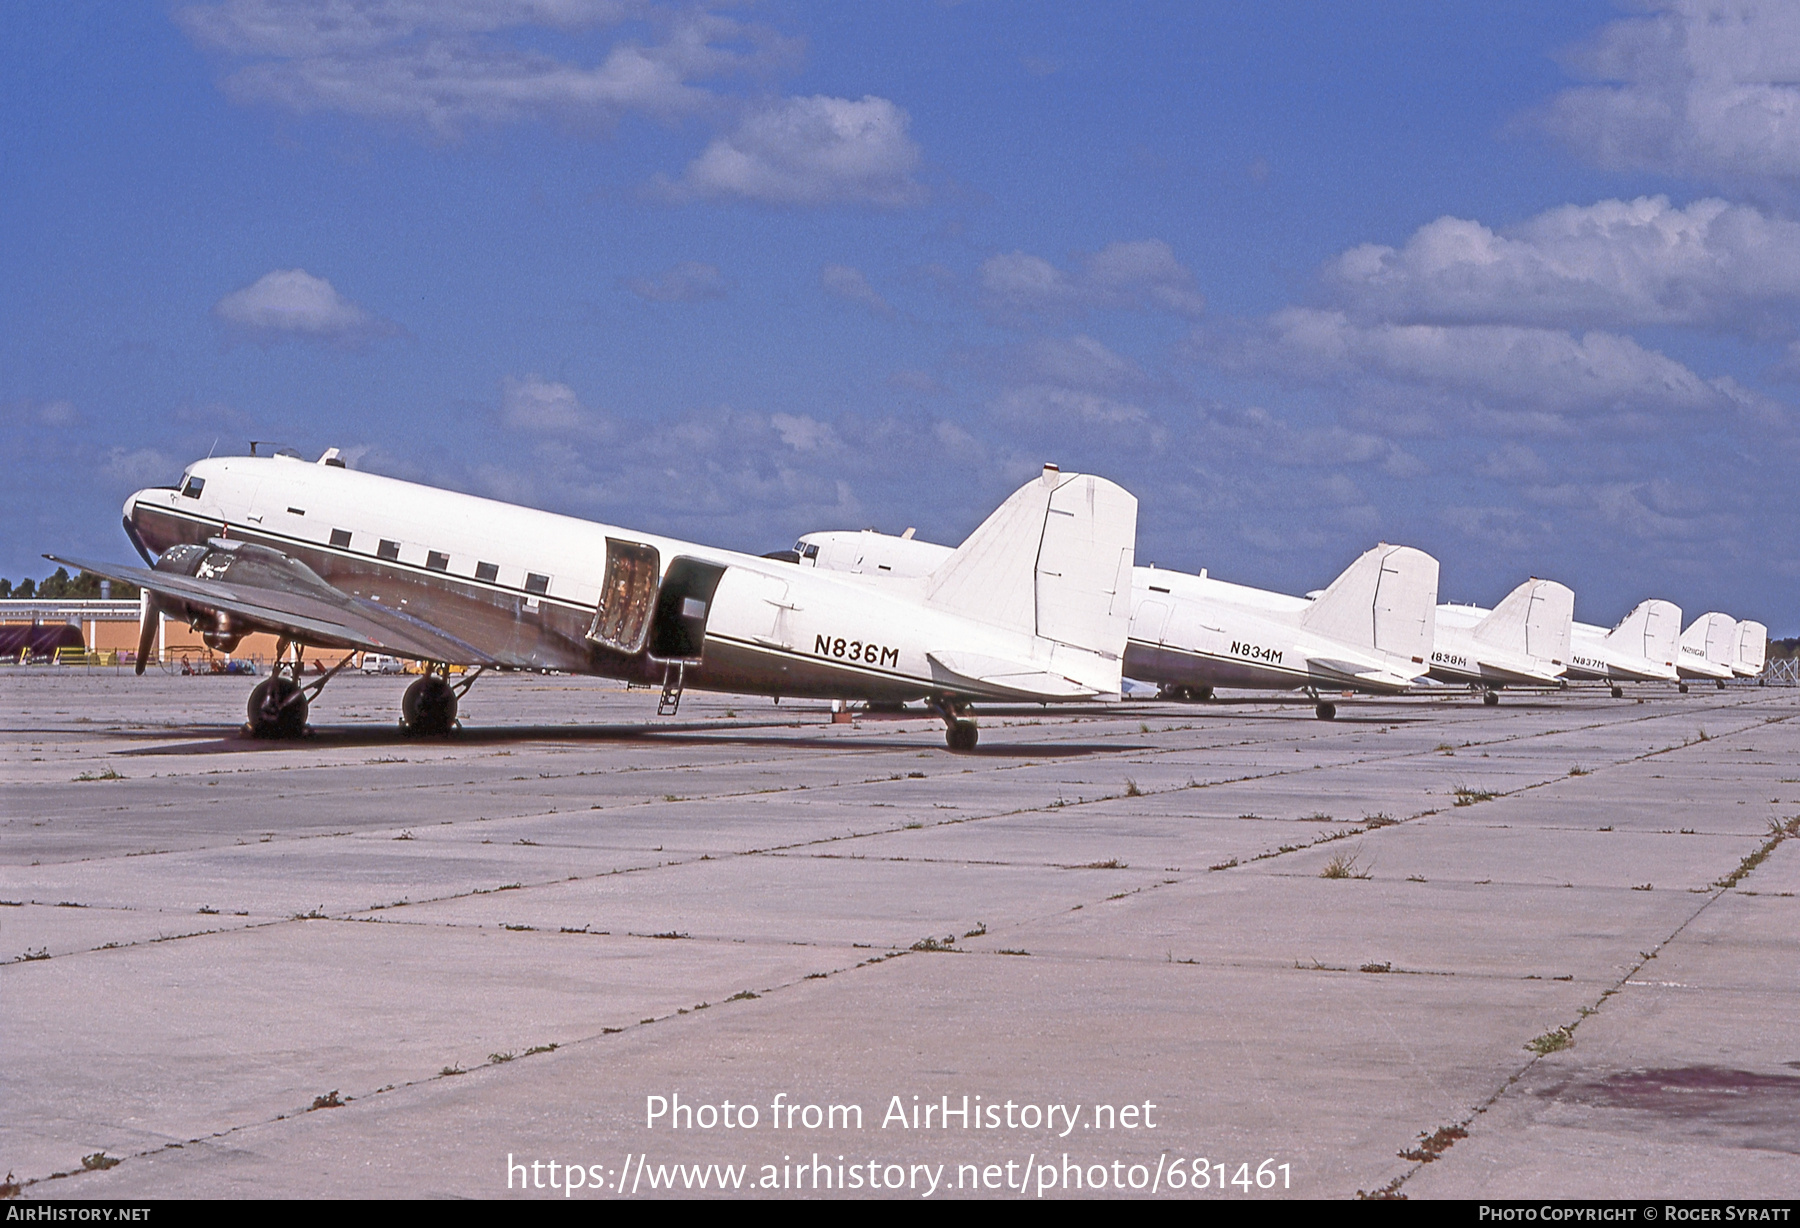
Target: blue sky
[[1518, 284]]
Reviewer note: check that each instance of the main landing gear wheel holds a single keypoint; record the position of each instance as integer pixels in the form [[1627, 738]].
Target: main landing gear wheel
[[277, 708], [1618, 692], [1682, 687], [1325, 710], [1490, 698], [428, 709], [1721, 683], [962, 735]]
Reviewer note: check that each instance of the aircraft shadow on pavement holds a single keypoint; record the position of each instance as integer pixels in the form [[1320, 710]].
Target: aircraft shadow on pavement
[[323, 737]]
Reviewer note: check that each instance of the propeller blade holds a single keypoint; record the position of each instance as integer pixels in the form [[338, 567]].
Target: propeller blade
[[148, 616]]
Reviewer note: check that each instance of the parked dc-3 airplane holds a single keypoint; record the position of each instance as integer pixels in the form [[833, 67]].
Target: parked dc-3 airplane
[[1035, 605], [1642, 648], [1370, 630], [1523, 641]]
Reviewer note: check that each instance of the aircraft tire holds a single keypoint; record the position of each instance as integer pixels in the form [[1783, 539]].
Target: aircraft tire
[[1682, 687], [1721, 683], [1618, 692], [1325, 711], [277, 709], [428, 709], [1490, 699], [1204, 694], [962, 736]]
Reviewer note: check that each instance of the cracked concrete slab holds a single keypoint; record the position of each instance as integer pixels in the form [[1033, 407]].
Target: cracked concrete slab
[[867, 916]]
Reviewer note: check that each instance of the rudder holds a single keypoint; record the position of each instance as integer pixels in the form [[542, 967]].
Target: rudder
[[1053, 561], [1537, 619], [1386, 601]]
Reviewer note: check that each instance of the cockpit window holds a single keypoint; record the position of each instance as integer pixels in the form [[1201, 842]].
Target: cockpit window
[[193, 487], [811, 551]]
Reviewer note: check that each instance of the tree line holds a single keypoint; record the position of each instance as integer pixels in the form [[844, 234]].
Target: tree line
[[64, 587]]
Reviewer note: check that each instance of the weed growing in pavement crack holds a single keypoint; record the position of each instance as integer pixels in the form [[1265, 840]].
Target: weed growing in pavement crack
[[1551, 1042], [1343, 865]]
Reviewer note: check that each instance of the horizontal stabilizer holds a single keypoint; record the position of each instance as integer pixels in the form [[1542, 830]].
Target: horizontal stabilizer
[[1651, 631], [967, 671], [1536, 619], [1386, 600], [1356, 673]]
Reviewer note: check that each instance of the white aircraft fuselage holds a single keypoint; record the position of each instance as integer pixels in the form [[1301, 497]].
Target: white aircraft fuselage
[[1196, 632], [456, 579]]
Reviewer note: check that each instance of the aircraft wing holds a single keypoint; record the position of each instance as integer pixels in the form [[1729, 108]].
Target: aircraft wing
[[281, 594]]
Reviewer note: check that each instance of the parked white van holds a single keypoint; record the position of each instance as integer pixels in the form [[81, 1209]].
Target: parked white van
[[376, 663]]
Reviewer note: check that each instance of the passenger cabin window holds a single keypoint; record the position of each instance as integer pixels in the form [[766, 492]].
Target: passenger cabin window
[[437, 561], [388, 550], [193, 487], [487, 573], [340, 539], [296, 511], [537, 584]]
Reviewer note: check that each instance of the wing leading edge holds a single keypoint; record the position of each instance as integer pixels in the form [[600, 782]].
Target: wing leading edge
[[281, 594]]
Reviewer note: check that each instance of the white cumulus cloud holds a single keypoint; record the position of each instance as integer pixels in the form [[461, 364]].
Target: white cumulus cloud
[[1140, 275], [540, 406], [1534, 375], [445, 65], [1694, 87], [292, 302], [812, 151], [1615, 263]]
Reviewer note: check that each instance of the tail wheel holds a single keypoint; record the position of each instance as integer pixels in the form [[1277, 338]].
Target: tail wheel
[[962, 736], [277, 708], [428, 709]]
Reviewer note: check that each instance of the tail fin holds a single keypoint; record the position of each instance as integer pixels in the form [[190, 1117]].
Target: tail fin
[[1652, 631], [1386, 600], [1053, 561], [1537, 619], [1714, 637], [1752, 647]]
